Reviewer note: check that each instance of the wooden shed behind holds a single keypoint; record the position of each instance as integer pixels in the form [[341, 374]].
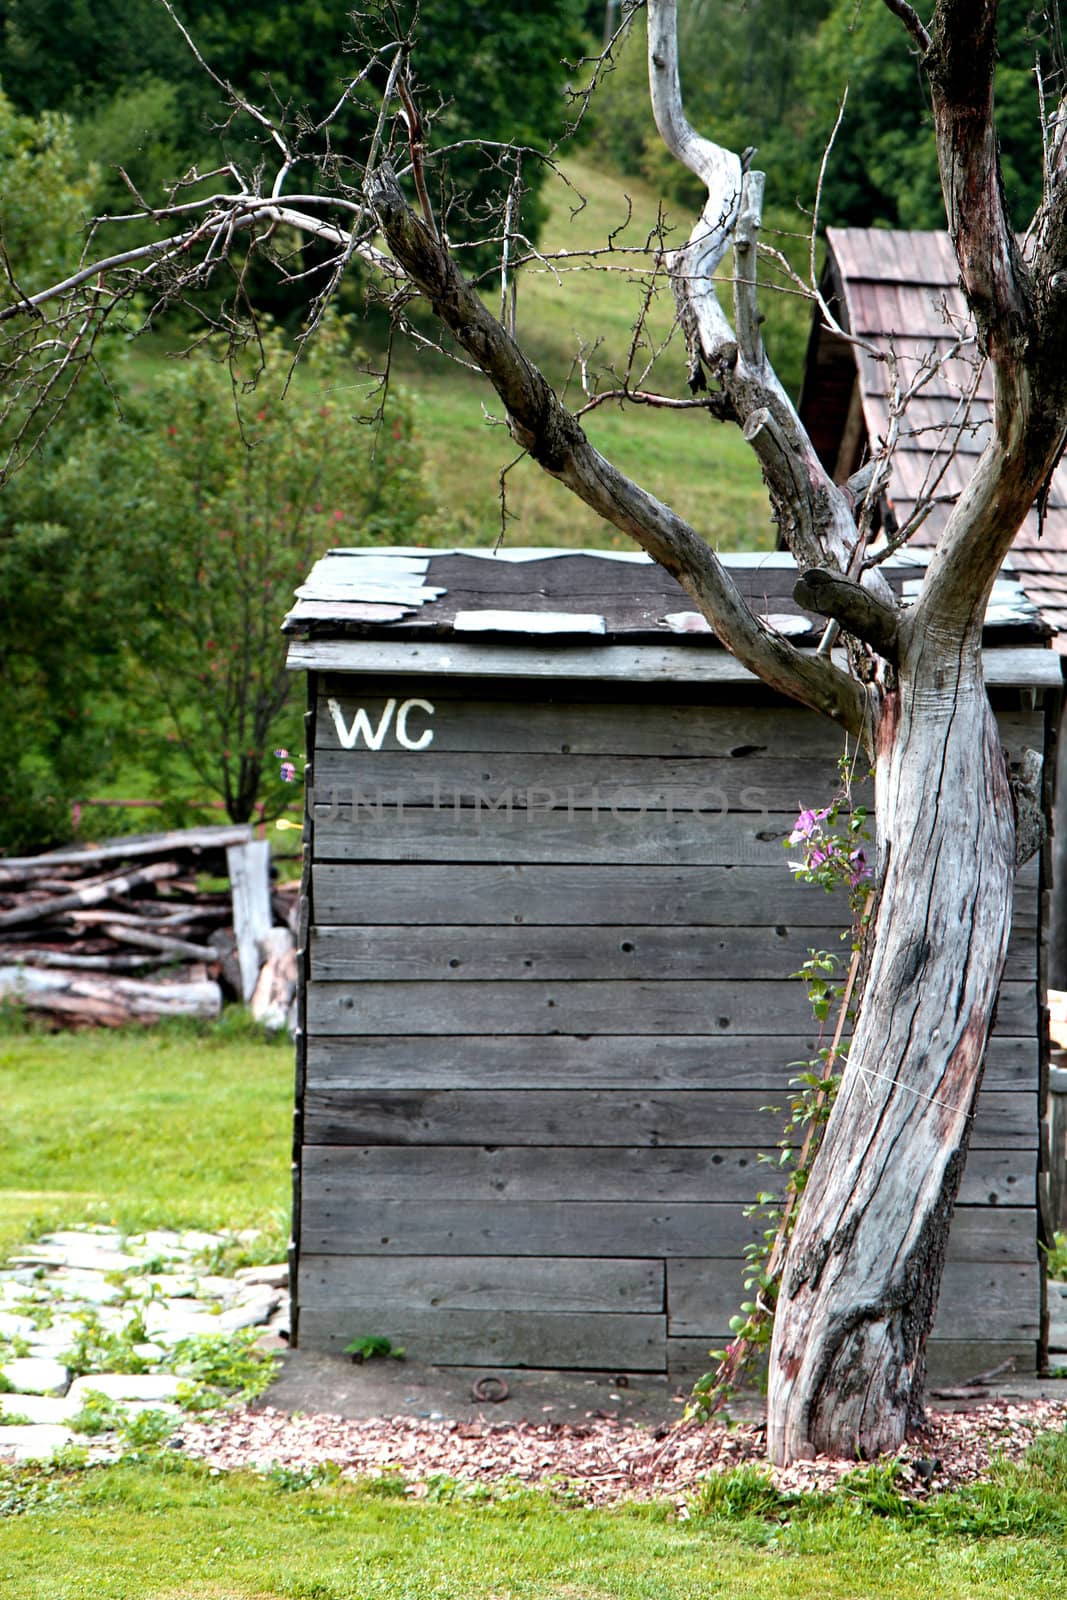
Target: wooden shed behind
[[899, 291], [549, 932]]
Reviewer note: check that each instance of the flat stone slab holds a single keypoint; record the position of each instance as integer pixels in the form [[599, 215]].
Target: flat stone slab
[[87, 1257], [149, 1351], [36, 1375], [38, 1408], [197, 1242], [154, 1388], [248, 1314], [156, 1242], [13, 1326], [33, 1443], [271, 1277], [90, 1288], [77, 1238], [166, 1323]]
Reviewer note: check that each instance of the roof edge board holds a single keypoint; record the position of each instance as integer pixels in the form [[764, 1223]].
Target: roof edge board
[[1012, 666]]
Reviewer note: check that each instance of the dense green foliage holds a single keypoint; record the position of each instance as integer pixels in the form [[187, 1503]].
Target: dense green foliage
[[54, 587], [756, 73], [150, 554], [883, 167], [228, 488], [140, 99]]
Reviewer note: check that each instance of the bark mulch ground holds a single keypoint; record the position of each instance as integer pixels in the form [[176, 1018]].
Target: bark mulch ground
[[600, 1461]]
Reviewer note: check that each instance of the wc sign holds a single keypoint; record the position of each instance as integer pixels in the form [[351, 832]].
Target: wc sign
[[394, 716]]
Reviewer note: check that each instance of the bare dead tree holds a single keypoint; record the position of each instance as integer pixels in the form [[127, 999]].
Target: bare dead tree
[[862, 1278]]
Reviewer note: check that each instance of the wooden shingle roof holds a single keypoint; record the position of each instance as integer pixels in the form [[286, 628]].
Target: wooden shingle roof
[[899, 291], [581, 613]]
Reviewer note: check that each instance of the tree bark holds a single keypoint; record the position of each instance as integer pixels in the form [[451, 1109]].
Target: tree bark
[[864, 1267]]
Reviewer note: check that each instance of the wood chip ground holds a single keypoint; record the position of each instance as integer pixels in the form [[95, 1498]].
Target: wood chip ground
[[600, 1461]]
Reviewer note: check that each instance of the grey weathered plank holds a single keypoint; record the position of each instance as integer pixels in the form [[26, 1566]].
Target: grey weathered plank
[[979, 1299], [522, 1061], [483, 1283], [622, 837], [455, 954], [502, 1173], [633, 1229], [953, 1361], [599, 1172], [625, 664], [948, 1361], [569, 896], [464, 720], [639, 1006], [587, 1341], [528, 1228], [433, 778], [695, 1118]]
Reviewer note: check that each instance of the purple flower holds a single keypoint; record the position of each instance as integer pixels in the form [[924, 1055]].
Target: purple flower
[[281, 754], [807, 824], [858, 868], [288, 772]]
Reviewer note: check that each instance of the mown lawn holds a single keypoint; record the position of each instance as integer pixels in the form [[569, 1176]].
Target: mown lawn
[[167, 1126], [164, 1530]]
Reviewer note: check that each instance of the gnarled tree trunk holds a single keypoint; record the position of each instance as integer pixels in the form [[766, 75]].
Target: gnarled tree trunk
[[864, 1266]]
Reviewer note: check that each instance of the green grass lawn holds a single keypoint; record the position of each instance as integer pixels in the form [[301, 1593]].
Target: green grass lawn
[[164, 1530], [171, 1125]]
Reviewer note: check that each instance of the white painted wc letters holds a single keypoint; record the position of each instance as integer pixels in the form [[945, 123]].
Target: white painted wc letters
[[425, 737], [374, 737]]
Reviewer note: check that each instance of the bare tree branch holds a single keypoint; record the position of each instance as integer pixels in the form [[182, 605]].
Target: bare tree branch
[[552, 436], [911, 20], [859, 613]]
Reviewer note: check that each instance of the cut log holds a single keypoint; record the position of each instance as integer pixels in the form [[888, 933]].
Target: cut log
[[224, 944], [40, 910], [151, 939], [77, 962], [109, 1001], [249, 868], [15, 869], [276, 985]]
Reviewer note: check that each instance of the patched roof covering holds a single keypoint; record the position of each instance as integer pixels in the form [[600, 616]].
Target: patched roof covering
[[900, 290], [570, 601]]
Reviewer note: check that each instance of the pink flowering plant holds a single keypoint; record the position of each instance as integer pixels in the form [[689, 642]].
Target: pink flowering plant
[[829, 841], [287, 769], [831, 849]]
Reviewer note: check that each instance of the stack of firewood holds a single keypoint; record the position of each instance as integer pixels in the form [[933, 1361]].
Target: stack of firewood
[[121, 931]]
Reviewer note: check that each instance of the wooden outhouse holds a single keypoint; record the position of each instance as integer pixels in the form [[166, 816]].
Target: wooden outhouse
[[549, 933]]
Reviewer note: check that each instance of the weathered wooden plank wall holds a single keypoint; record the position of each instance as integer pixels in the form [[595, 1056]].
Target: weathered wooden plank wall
[[548, 997]]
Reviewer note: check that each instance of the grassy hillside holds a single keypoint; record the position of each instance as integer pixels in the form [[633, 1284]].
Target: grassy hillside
[[700, 466]]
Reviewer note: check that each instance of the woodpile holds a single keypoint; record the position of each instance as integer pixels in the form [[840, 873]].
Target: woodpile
[[122, 931]]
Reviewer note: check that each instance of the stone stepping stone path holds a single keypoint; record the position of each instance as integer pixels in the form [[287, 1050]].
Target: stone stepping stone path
[[135, 1310]]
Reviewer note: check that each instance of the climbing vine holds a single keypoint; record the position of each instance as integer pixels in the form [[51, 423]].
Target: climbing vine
[[830, 845]]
